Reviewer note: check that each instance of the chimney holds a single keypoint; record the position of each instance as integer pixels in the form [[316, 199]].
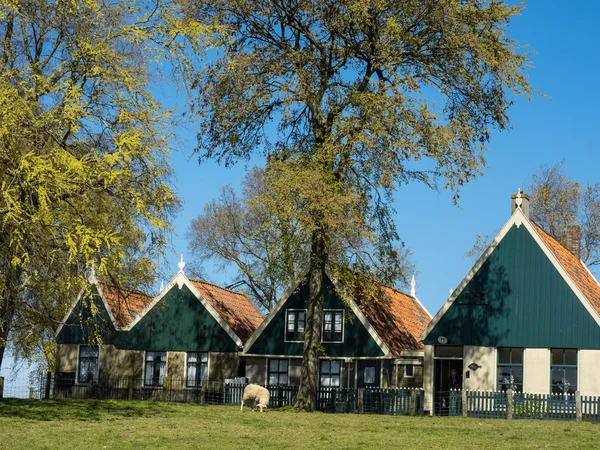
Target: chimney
[[573, 240], [520, 201]]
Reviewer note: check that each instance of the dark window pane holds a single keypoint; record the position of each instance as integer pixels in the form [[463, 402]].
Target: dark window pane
[[449, 351], [325, 366], [516, 356], [283, 378], [557, 375], [409, 370], [571, 357], [570, 379], [273, 378], [517, 373], [504, 355], [283, 365], [273, 365], [557, 356]]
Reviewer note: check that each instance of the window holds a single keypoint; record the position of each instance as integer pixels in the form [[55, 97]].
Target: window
[[510, 369], [88, 364], [278, 371], [448, 351], [333, 322], [156, 364], [294, 330], [330, 373], [197, 368], [409, 371], [563, 371]]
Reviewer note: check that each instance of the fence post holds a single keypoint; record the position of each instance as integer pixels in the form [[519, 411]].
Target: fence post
[[413, 402], [130, 388], [509, 404], [360, 401], [1, 386], [165, 387], [333, 400], [464, 406], [30, 392], [578, 412]]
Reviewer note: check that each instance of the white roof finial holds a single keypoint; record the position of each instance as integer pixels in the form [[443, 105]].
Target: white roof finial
[[413, 287], [519, 200], [181, 264]]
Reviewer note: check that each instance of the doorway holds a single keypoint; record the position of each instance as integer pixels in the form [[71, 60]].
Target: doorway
[[447, 377]]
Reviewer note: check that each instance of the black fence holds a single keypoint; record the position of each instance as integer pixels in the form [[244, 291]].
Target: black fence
[[329, 399]]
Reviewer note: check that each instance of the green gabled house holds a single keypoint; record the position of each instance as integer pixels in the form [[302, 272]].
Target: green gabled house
[[191, 331], [526, 317], [373, 346]]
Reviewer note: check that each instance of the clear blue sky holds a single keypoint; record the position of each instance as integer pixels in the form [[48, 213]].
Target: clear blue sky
[[565, 37]]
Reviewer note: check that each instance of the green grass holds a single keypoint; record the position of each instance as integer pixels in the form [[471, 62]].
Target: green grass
[[90, 424]]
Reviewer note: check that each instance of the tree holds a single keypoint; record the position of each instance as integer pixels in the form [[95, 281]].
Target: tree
[[557, 202], [269, 254], [84, 179], [350, 86]]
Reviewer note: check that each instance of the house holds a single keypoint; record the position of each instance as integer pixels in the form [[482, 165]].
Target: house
[[371, 345], [192, 331], [526, 317]]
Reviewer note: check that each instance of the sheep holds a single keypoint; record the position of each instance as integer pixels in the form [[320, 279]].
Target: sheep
[[258, 395]]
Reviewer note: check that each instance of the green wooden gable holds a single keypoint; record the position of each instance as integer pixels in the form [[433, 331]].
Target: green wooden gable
[[517, 298], [357, 341], [82, 327], [178, 322]]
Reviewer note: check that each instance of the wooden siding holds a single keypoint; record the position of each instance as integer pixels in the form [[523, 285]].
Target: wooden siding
[[526, 303], [178, 322], [357, 340]]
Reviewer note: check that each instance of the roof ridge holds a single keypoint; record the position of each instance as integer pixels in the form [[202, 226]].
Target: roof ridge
[[216, 285]]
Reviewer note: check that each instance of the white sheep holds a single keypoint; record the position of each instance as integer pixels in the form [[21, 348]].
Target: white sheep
[[258, 395]]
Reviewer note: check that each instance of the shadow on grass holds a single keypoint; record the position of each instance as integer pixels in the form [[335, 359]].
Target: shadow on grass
[[80, 409]]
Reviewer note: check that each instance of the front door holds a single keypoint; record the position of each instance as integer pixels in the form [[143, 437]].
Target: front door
[[447, 377]]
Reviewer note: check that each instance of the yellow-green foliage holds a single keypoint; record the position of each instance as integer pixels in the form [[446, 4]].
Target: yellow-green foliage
[[84, 178]]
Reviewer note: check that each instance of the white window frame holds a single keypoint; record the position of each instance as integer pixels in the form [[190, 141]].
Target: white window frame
[[144, 369], [343, 311], [340, 361], [269, 367], [185, 372], [285, 329], [79, 362]]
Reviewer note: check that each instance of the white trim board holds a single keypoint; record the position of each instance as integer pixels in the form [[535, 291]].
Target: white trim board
[[518, 219]]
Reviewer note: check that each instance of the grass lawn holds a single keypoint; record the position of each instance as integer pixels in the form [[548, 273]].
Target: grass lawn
[[90, 424]]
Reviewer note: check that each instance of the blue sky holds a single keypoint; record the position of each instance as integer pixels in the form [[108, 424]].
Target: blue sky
[[544, 131], [565, 37]]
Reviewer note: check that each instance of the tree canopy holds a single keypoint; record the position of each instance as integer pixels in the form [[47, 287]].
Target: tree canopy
[[84, 177]]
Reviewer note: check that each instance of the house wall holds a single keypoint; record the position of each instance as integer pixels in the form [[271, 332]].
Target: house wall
[[589, 372], [176, 366], [256, 370], [114, 362], [399, 380], [484, 378], [66, 357], [222, 365], [536, 370], [517, 299]]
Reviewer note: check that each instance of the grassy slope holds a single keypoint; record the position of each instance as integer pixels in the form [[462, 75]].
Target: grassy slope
[[120, 425]]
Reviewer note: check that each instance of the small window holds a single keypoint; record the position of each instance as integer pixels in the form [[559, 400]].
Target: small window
[[448, 351], [88, 364], [296, 320], [330, 373], [563, 371], [278, 371], [197, 368], [510, 369], [409, 371], [333, 323], [156, 365]]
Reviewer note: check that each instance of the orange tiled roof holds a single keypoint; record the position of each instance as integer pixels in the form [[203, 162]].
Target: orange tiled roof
[[399, 320], [234, 307], [124, 303], [574, 268]]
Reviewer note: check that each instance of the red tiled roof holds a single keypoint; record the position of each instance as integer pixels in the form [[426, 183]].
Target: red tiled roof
[[576, 270], [399, 319], [234, 307], [124, 303]]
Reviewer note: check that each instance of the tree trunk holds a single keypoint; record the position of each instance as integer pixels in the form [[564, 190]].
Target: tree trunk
[[307, 393]]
